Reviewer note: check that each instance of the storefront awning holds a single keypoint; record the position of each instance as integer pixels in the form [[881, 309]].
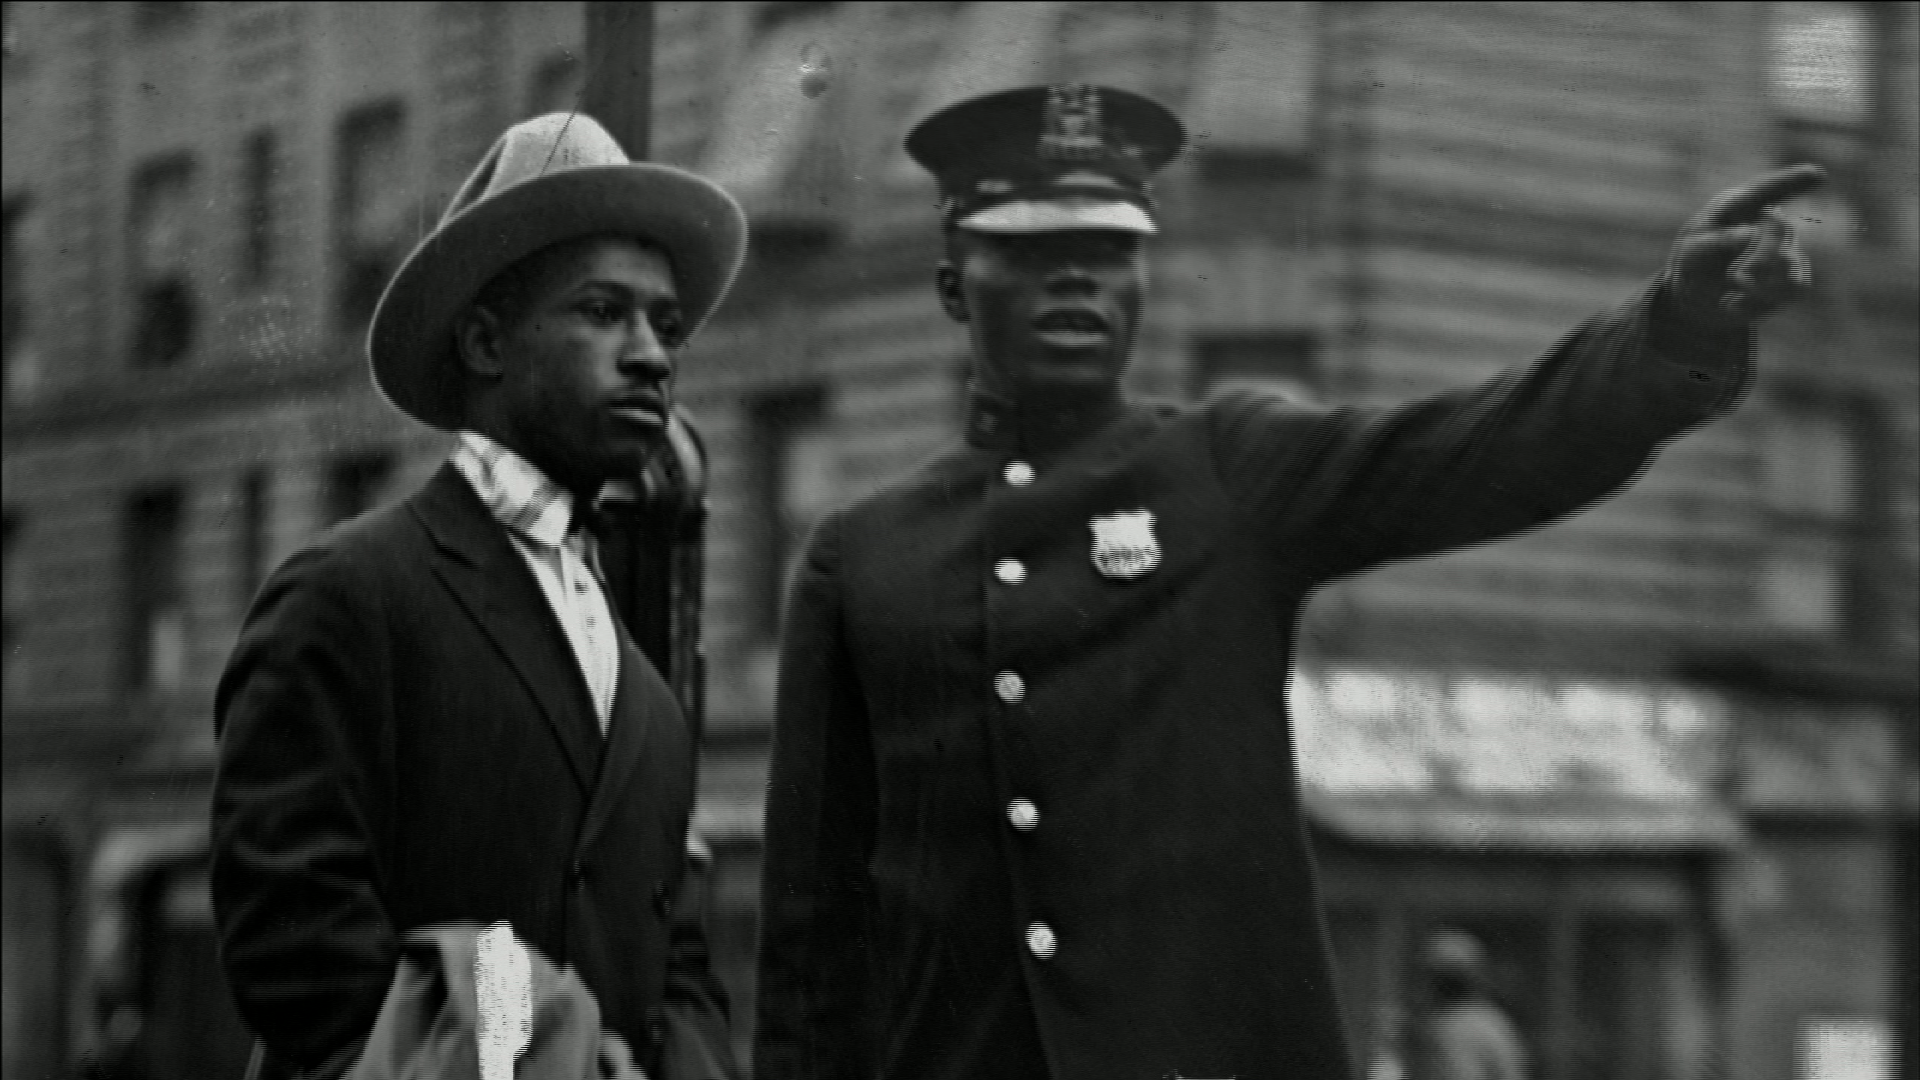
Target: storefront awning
[[1542, 826]]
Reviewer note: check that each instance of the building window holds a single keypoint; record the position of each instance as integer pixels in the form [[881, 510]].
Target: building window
[[16, 349], [156, 599], [557, 85], [1823, 83], [1257, 89], [165, 311], [356, 483], [251, 543], [1285, 362], [39, 903], [260, 160], [1811, 487], [373, 194], [797, 465], [161, 16], [14, 523]]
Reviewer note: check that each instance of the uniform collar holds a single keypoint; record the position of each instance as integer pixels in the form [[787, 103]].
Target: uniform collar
[[995, 422]]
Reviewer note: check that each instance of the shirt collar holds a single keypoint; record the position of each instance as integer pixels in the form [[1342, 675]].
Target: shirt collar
[[514, 490], [995, 422]]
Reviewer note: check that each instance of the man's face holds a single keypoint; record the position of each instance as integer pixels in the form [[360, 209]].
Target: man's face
[[586, 360], [1052, 313]]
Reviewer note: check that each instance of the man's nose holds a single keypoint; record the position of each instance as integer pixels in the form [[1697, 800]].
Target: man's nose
[[645, 358]]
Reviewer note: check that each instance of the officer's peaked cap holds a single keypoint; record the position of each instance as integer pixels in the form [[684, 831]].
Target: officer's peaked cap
[[1048, 158]]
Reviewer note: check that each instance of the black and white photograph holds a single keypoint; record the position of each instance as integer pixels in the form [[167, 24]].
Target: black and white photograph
[[994, 540]]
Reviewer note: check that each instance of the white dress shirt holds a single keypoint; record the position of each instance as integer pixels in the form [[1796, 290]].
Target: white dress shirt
[[537, 514]]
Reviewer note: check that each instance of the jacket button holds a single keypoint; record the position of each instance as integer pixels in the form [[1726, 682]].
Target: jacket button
[[1019, 473], [1009, 686], [1010, 571], [1040, 941], [662, 901], [577, 877], [1023, 814]]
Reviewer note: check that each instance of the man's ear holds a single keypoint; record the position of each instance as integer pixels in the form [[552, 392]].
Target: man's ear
[[476, 337], [946, 282]]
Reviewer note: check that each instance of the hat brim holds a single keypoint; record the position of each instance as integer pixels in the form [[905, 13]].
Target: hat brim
[[410, 342], [1059, 215]]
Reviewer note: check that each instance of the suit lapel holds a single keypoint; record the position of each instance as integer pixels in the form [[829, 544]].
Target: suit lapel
[[627, 735], [497, 590]]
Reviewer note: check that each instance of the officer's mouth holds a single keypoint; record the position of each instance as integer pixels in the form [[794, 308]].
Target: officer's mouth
[[1072, 328]]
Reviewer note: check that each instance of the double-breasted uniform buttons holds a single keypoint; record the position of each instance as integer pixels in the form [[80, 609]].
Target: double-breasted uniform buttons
[[1019, 473], [1040, 940], [1010, 571], [1009, 686], [1023, 814]]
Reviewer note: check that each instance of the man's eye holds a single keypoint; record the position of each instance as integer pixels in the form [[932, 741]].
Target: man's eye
[[670, 327], [602, 312]]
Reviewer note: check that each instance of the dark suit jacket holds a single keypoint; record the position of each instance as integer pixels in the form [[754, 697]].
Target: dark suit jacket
[[405, 738], [1169, 856]]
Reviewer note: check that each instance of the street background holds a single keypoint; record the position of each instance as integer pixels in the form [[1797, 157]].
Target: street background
[[1659, 758]]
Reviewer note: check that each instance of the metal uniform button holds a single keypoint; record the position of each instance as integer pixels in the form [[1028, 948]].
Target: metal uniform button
[[1023, 814], [1010, 571], [1019, 473], [1040, 941], [1009, 686]]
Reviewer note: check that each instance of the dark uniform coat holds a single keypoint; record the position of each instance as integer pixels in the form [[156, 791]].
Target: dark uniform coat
[[1026, 819], [406, 739]]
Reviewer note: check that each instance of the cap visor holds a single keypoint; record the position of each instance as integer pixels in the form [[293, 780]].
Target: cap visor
[[1059, 215]]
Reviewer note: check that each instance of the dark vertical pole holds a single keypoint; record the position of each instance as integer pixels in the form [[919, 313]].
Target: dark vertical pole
[[619, 77], [655, 559]]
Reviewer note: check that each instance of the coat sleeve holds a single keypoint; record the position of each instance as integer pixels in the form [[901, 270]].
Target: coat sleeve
[[814, 973], [1352, 488], [303, 768]]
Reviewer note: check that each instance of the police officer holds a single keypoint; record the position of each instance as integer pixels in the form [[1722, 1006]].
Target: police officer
[[1033, 809]]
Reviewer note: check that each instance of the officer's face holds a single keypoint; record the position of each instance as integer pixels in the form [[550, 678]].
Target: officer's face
[[1049, 313], [583, 361]]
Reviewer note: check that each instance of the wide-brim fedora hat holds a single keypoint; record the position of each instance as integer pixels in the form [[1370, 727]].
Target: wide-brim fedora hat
[[546, 180]]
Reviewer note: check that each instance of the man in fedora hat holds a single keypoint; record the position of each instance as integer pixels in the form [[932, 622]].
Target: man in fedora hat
[[432, 714], [1033, 808]]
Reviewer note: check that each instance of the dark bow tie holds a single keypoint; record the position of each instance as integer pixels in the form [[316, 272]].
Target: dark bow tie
[[589, 519]]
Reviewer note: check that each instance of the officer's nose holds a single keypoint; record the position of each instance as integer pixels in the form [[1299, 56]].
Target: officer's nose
[[1071, 276]]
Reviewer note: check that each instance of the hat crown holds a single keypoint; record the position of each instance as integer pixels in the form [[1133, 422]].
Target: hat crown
[[556, 142]]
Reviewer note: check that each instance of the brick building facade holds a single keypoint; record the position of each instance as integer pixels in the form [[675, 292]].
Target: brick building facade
[[1701, 860]]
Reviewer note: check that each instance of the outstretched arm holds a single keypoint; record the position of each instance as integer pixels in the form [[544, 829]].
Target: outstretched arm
[[1344, 490]]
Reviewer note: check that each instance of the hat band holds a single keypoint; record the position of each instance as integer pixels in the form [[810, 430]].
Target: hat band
[[1059, 215]]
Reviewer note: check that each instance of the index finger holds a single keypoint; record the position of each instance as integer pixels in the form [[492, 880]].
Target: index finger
[[1737, 206]]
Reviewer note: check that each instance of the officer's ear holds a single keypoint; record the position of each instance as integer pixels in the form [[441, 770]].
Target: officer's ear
[[476, 338], [946, 282]]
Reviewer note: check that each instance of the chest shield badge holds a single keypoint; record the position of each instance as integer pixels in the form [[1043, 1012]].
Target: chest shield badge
[[1124, 546]]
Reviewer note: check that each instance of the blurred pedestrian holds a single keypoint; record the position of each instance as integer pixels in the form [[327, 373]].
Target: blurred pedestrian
[[1033, 808], [1459, 1032], [432, 714]]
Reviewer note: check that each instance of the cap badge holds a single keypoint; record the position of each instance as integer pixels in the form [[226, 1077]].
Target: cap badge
[[1071, 129], [1124, 547]]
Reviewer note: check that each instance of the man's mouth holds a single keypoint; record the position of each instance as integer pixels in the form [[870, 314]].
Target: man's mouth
[[1072, 326], [645, 409]]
